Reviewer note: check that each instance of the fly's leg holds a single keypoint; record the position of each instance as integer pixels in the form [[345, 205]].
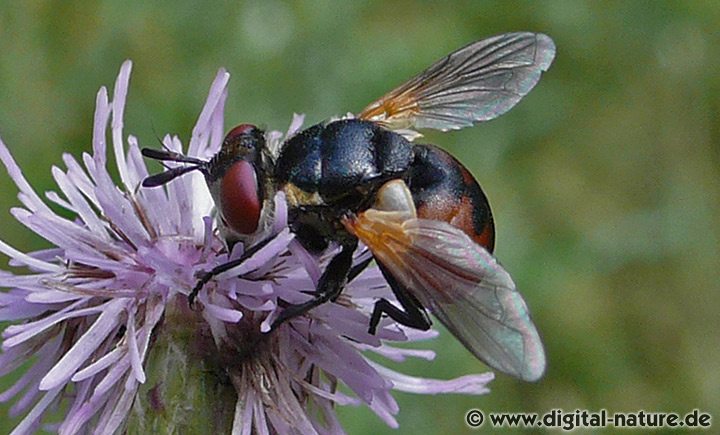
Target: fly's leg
[[329, 286], [412, 313], [217, 270], [358, 269]]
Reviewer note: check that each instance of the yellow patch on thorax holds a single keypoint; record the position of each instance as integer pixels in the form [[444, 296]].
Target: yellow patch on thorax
[[295, 196]]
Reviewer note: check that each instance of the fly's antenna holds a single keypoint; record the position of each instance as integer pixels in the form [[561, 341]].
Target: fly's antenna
[[170, 156], [172, 173]]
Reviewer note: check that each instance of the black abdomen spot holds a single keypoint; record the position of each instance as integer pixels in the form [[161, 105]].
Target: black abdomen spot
[[443, 189]]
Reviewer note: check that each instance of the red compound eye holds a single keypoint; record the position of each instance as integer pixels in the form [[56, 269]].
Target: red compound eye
[[240, 130], [239, 199]]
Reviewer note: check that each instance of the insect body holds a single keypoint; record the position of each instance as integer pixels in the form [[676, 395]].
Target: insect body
[[420, 212]]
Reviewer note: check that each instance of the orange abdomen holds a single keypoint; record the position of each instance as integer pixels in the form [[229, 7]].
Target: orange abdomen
[[443, 189]]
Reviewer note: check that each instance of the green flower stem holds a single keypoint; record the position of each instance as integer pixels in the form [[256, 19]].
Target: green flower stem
[[186, 391]]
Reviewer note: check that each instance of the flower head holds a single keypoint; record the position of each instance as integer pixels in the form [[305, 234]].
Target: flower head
[[104, 318]]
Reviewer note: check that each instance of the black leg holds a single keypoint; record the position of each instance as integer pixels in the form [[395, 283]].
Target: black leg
[[329, 286], [207, 276], [414, 315], [358, 269]]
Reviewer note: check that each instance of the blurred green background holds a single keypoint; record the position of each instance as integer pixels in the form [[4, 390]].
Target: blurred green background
[[605, 181]]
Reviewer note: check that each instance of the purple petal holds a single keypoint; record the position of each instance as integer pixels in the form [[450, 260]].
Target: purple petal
[[244, 412], [51, 297], [20, 309], [31, 199], [120, 95], [337, 397], [308, 262], [17, 334], [28, 260], [345, 364], [118, 110], [470, 384], [260, 423], [135, 361], [47, 355], [102, 115], [385, 413], [280, 212], [101, 364], [112, 377], [217, 127], [221, 313], [33, 416], [215, 96], [85, 346], [111, 421], [295, 125], [399, 354], [262, 257], [81, 396], [79, 178], [79, 204]]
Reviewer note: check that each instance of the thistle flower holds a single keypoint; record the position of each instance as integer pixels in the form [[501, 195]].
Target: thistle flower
[[104, 320]]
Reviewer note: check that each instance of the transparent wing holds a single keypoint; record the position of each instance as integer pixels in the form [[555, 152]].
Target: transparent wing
[[476, 83], [462, 285]]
